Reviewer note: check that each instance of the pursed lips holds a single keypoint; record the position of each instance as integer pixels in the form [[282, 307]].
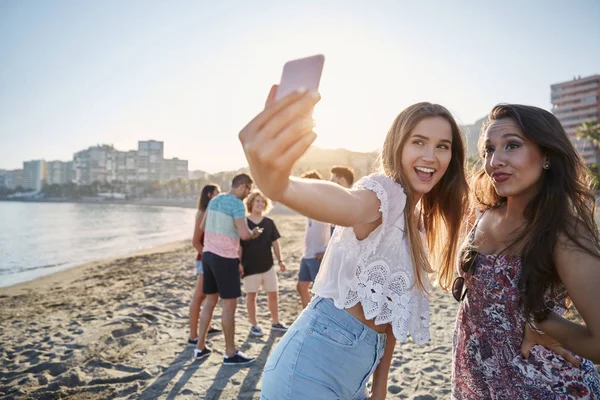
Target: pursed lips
[[500, 176]]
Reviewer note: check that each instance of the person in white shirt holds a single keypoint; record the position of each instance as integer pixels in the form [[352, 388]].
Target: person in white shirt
[[371, 288], [315, 242]]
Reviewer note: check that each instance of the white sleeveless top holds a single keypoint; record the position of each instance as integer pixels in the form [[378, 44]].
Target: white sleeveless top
[[377, 271]]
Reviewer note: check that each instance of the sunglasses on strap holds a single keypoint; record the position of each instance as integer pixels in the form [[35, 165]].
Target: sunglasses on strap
[[459, 290]]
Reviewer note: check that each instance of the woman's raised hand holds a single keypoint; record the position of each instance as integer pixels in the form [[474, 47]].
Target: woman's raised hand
[[277, 137]]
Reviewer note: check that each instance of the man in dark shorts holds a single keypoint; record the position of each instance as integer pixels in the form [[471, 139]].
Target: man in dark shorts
[[224, 226]]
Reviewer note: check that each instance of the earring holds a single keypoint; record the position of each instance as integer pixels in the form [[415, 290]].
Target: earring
[[546, 165]]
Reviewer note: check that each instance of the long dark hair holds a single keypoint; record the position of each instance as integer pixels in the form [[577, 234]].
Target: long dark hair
[[564, 205], [204, 198], [443, 207]]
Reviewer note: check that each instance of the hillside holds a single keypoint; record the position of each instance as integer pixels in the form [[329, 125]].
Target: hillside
[[471, 134]]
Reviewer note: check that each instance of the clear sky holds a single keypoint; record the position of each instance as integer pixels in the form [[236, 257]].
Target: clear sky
[[191, 73]]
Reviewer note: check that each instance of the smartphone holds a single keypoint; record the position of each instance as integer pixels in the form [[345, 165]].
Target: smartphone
[[301, 73]]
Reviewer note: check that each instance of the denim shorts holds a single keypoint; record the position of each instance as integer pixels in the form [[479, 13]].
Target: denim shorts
[[309, 268], [325, 354], [199, 267]]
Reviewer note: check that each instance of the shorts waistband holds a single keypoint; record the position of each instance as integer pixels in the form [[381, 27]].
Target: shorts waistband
[[347, 321]]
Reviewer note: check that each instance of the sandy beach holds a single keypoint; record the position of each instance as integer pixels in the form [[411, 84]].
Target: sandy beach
[[118, 329]]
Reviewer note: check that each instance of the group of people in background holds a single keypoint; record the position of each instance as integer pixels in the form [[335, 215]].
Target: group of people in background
[[516, 248], [235, 223]]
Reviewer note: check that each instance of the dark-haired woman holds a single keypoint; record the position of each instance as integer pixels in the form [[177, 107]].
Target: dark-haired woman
[[534, 249], [208, 192]]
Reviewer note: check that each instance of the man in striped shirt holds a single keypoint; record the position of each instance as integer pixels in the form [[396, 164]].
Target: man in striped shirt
[[224, 225]]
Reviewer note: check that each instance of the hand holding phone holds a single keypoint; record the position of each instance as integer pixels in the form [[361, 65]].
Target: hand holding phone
[[302, 73], [279, 135]]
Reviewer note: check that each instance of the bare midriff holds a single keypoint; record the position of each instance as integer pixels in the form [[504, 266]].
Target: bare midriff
[[357, 312]]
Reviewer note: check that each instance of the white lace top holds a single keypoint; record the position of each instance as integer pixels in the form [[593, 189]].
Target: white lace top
[[377, 271]]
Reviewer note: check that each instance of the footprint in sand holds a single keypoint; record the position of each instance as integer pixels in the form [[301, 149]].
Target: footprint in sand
[[394, 389], [132, 329]]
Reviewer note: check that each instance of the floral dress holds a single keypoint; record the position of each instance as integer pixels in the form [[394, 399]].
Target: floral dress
[[487, 362]]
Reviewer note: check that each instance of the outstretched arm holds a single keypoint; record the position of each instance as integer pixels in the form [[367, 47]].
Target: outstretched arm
[[327, 202], [274, 140]]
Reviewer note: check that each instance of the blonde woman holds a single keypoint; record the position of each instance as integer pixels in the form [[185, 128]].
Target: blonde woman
[[256, 259], [371, 289]]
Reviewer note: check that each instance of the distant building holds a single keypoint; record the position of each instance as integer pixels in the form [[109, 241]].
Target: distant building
[[59, 172], [126, 166], [34, 174], [12, 179], [575, 102], [96, 164], [105, 164], [150, 160], [174, 168]]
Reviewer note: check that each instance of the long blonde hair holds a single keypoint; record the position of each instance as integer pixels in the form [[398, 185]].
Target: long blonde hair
[[442, 208]]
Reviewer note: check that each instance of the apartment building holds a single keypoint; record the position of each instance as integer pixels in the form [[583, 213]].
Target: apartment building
[[34, 174], [150, 160], [59, 172], [174, 168], [11, 179], [574, 102], [105, 164], [126, 166], [96, 164]]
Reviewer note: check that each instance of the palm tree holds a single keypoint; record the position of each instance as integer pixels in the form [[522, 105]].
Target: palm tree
[[589, 130]]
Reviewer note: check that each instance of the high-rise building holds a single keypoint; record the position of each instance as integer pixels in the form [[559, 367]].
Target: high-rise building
[[96, 164], [126, 166], [105, 164], [174, 168], [150, 160], [59, 172], [34, 174], [575, 102]]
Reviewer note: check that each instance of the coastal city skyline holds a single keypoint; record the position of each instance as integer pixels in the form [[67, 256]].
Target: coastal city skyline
[[193, 73], [573, 102], [102, 163]]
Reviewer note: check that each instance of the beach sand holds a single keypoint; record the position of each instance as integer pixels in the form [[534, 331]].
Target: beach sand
[[118, 329]]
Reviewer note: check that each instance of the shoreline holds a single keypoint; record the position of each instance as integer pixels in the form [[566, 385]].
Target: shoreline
[[181, 203], [70, 274], [278, 209]]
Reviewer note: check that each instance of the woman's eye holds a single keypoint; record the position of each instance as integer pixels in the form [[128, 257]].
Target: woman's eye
[[488, 150], [419, 142], [512, 146], [443, 147]]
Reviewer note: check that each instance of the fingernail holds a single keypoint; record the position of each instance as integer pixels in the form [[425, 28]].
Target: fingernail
[[301, 90], [315, 94]]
